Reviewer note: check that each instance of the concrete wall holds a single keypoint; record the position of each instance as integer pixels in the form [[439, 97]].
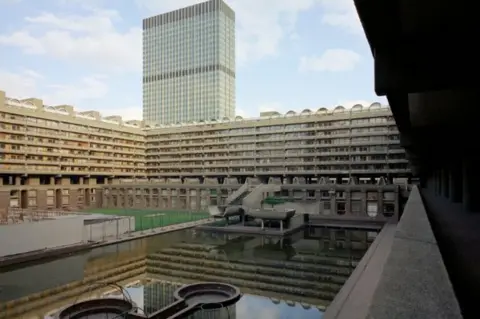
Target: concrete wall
[[300, 208], [29, 280], [108, 228], [26, 237], [260, 192]]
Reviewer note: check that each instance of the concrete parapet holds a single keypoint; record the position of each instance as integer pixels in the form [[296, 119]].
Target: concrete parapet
[[402, 275], [191, 181], [157, 180], [253, 181], [45, 234], [275, 180], [210, 181], [299, 180], [230, 181]]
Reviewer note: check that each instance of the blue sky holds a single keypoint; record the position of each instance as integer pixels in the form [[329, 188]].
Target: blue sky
[[291, 55]]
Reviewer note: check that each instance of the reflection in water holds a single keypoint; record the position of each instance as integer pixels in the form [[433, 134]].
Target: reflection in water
[[289, 277], [155, 296]]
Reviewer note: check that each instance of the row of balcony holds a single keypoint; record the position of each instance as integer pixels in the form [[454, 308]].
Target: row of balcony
[[273, 163], [313, 140], [60, 144], [27, 121], [263, 128], [252, 147]]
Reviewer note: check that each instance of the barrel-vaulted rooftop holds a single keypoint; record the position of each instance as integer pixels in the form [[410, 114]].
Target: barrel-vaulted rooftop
[[323, 111], [68, 110]]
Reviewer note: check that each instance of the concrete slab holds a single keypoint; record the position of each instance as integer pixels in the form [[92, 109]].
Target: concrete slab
[[401, 276], [414, 284], [239, 229], [354, 299]]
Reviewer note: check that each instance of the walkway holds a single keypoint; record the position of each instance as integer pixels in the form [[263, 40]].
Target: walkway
[[150, 232]]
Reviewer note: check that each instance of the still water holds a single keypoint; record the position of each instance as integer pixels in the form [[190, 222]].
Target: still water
[[293, 277]]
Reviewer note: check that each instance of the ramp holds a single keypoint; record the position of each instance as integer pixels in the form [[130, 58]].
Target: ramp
[[254, 199], [215, 211], [237, 196]]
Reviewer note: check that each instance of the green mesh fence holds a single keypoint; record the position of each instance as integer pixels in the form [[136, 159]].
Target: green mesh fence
[[151, 219]]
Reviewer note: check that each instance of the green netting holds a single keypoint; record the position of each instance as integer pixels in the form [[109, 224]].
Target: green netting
[[147, 219]]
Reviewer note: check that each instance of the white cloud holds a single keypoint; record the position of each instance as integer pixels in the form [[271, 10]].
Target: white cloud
[[349, 103], [241, 112], [341, 14], [28, 83], [332, 60], [19, 85], [261, 25], [88, 88], [269, 107], [128, 113], [6, 2], [91, 40]]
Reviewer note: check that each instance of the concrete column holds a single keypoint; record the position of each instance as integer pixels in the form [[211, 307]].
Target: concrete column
[[363, 208], [438, 182], [445, 183], [348, 202], [455, 183], [381, 209], [471, 189]]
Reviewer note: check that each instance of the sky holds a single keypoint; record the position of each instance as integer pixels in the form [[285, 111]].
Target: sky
[[291, 54]]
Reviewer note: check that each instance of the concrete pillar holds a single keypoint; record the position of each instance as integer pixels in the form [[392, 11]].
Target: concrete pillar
[[471, 199], [445, 183], [381, 209], [455, 183], [438, 182], [348, 202]]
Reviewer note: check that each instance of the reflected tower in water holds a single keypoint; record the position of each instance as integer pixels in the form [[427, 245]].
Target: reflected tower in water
[[157, 295]]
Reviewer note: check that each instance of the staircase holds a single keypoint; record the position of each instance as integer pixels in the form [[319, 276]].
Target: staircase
[[215, 211], [310, 279], [237, 196], [248, 196], [253, 200]]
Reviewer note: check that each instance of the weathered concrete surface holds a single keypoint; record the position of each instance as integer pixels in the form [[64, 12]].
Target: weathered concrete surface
[[414, 283], [299, 207], [402, 275], [355, 297], [68, 250]]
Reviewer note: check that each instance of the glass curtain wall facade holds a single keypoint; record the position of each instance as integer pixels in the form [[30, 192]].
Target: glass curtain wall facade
[[189, 64]]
